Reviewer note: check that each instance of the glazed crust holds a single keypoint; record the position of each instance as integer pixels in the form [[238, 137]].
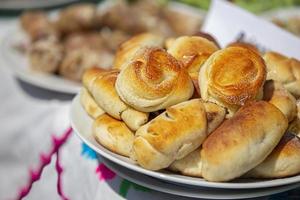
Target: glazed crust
[[154, 80], [242, 142], [232, 77], [170, 136]]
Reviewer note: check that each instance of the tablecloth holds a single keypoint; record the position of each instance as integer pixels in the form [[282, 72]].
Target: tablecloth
[[38, 146]]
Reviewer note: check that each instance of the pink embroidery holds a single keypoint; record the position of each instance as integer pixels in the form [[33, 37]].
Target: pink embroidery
[[104, 173], [45, 159], [59, 171]]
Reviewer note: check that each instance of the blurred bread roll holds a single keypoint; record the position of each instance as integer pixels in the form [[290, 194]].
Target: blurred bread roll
[[153, 80], [170, 136], [276, 94], [77, 61], [191, 165], [113, 134], [45, 55], [284, 160], [244, 44], [231, 77], [128, 49], [285, 70], [89, 104], [103, 90], [242, 142], [37, 25], [78, 17], [192, 51]]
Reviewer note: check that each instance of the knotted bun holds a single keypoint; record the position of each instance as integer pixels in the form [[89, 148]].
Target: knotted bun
[[153, 80]]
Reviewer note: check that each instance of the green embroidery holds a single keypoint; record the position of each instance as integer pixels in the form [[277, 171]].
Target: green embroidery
[[126, 185]]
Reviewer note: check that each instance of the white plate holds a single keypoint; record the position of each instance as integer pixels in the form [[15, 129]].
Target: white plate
[[31, 4], [18, 63], [82, 124], [195, 192]]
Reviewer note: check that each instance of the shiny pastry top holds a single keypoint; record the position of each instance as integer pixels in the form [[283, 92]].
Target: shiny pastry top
[[232, 76]]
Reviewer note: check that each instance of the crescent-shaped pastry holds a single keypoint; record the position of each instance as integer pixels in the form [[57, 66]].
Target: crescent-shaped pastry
[[285, 70], [89, 104], [242, 142], [191, 165], [129, 48], [113, 135], [101, 85], [276, 94], [284, 160], [170, 136], [153, 80], [232, 77]]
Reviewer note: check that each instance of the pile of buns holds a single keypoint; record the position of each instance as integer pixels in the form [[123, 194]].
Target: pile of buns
[[85, 35], [185, 105]]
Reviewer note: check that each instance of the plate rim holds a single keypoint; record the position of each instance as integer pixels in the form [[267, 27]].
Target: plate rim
[[177, 180], [159, 186]]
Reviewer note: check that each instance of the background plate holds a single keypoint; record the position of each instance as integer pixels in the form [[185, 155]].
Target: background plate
[[18, 63]]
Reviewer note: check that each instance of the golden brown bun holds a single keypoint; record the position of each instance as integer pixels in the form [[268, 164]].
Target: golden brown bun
[[101, 85], [170, 136], [192, 51], [153, 80], [91, 75], [89, 104], [285, 70], [232, 77], [129, 48], [244, 44], [276, 94], [113, 134], [294, 126], [284, 160], [242, 142], [191, 165]]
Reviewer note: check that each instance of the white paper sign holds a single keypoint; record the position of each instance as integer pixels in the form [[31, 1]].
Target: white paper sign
[[228, 23]]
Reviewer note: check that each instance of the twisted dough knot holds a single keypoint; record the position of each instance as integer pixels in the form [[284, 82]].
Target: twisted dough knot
[[153, 80]]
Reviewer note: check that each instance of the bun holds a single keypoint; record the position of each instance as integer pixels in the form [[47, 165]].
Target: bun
[[276, 94], [191, 165], [192, 51], [102, 87], [45, 56], [284, 160], [113, 134], [153, 80], [242, 142], [231, 77], [89, 104], [285, 70], [170, 136], [294, 126], [129, 48]]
